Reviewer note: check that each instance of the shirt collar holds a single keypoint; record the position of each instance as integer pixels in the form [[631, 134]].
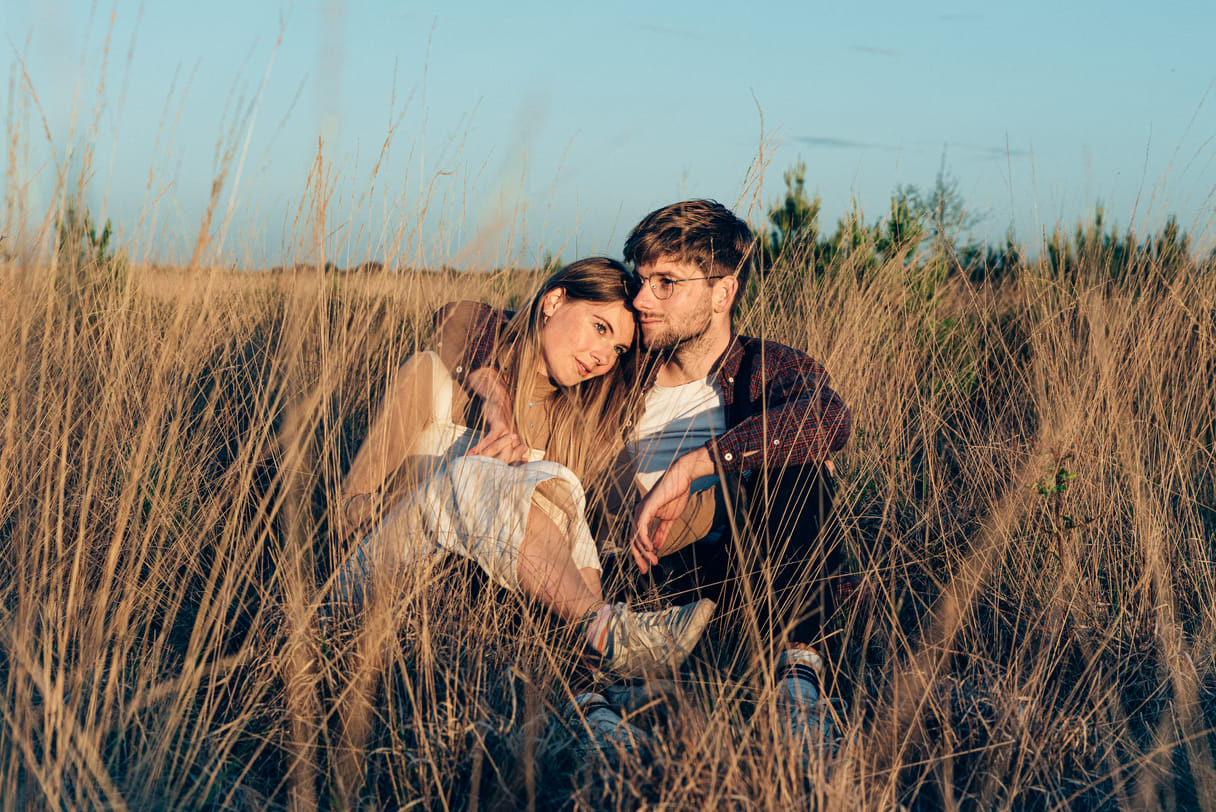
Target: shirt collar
[[728, 364]]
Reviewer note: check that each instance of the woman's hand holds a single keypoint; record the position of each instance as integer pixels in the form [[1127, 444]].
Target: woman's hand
[[504, 447]]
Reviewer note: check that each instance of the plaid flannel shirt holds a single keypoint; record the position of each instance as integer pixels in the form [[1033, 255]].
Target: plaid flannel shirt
[[780, 408]]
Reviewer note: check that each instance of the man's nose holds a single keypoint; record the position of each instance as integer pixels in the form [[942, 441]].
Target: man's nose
[[645, 296]]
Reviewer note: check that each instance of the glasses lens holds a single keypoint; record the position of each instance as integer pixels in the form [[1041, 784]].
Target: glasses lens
[[633, 284], [662, 286]]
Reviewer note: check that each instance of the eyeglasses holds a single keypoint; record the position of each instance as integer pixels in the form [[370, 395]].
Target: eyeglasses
[[663, 286]]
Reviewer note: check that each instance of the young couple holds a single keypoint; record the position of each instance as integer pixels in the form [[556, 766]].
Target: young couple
[[728, 445]]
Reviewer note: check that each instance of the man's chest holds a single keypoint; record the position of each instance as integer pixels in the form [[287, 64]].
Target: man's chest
[[674, 421]]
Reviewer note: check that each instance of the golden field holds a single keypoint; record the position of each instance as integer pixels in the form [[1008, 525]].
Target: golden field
[[1027, 496]]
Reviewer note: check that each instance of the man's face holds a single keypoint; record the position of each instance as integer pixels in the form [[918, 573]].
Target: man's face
[[684, 315]]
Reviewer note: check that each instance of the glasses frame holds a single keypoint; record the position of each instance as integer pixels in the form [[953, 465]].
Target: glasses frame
[[649, 280]]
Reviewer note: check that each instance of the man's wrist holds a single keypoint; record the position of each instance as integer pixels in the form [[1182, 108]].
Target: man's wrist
[[696, 464]]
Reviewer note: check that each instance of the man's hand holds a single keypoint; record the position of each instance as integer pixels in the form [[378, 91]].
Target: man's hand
[[500, 440], [664, 504]]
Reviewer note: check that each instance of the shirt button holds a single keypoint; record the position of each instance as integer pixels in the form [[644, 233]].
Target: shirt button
[[730, 380], [728, 456], [460, 369], [776, 442]]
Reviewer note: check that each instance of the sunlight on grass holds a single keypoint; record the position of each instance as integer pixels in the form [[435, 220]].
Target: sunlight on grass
[[1027, 499]]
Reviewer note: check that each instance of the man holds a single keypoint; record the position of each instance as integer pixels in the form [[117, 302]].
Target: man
[[732, 444], [734, 439]]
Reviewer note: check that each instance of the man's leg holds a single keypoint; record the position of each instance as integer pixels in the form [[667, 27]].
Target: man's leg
[[775, 562], [789, 519], [776, 570]]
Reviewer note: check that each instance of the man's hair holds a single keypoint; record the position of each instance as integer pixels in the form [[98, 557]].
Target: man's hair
[[700, 232]]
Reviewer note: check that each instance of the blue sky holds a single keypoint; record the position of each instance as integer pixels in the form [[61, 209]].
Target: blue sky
[[519, 129]]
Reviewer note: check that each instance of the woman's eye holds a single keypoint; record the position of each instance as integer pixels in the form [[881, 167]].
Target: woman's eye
[[600, 328], [620, 350]]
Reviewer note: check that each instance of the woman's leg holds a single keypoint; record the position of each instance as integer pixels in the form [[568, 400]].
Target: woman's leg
[[548, 558], [627, 642], [591, 577], [547, 572], [397, 544]]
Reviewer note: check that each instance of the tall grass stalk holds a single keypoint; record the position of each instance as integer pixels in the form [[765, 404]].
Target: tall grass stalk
[[1028, 502], [1022, 637]]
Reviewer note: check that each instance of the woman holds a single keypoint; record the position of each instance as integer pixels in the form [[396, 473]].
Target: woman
[[568, 358]]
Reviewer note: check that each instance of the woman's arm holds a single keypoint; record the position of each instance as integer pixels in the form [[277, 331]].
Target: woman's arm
[[403, 414], [465, 334], [501, 440]]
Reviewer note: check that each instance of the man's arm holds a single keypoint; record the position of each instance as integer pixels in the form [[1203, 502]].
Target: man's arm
[[665, 503], [798, 420]]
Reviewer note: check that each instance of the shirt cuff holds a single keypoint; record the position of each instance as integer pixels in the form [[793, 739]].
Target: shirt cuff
[[727, 457]]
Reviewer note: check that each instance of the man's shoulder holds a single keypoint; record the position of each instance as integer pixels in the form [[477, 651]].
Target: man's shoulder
[[763, 362], [469, 309], [772, 351]]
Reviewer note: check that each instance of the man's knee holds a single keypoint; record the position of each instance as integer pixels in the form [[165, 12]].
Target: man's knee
[[791, 503]]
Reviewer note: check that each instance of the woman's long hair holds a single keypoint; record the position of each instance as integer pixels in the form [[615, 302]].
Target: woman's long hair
[[588, 422]]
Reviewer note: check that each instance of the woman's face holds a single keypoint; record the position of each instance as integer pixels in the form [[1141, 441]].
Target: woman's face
[[582, 339]]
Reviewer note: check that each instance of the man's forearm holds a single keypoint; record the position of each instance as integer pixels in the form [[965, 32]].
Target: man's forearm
[[797, 432], [695, 464]]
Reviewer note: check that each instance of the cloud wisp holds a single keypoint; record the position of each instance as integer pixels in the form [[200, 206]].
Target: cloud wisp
[[977, 150], [831, 142], [870, 49]]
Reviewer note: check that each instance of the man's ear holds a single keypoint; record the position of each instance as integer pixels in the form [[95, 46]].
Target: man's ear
[[552, 299], [724, 293]]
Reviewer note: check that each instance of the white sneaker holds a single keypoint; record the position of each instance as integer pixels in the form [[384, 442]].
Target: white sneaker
[[598, 728], [639, 643]]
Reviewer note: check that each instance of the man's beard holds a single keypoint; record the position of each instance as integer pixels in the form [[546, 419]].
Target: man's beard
[[670, 340]]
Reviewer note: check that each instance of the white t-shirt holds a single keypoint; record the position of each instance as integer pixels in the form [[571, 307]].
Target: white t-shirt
[[676, 420]]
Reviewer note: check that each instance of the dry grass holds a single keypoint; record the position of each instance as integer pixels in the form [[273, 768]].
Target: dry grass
[[172, 440], [1028, 499]]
